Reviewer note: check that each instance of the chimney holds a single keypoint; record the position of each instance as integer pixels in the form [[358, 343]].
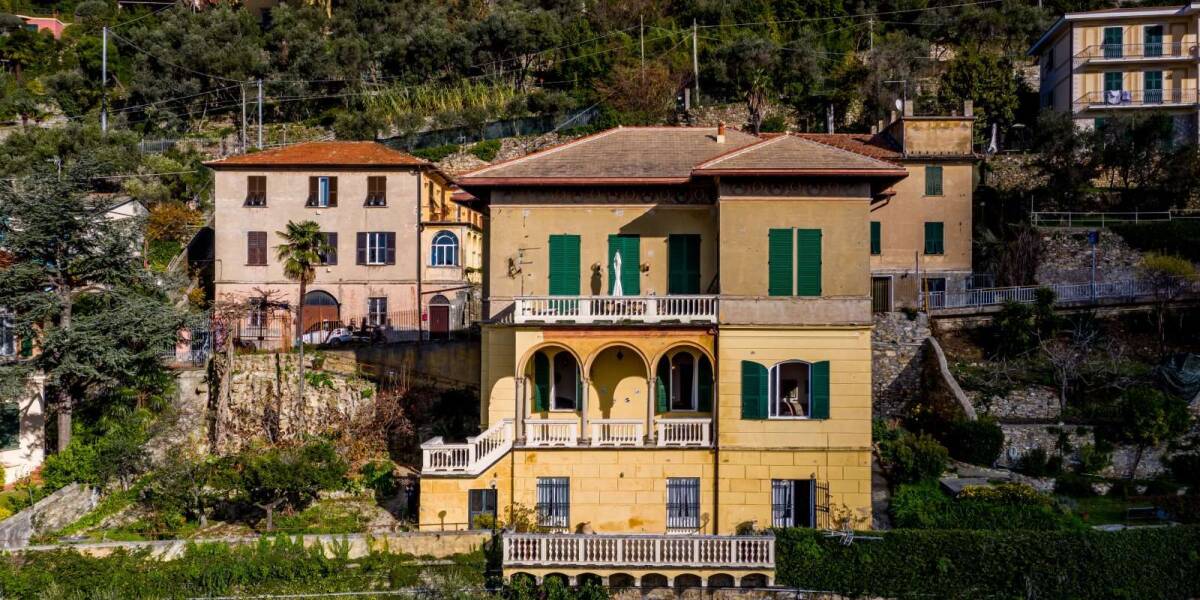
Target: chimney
[[908, 108], [968, 108], [721, 132]]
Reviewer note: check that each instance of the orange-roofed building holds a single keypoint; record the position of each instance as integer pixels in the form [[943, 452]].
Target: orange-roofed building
[[405, 251]]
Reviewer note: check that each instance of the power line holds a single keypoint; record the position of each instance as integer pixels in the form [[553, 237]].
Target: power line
[[859, 16], [169, 63]]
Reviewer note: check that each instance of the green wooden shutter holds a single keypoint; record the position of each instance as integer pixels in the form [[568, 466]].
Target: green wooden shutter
[[706, 385], [933, 180], [876, 238], [808, 262], [819, 380], [683, 253], [541, 382], [660, 386], [564, 265], [934, 243], [631, 263], [779, 262], [754, 390]]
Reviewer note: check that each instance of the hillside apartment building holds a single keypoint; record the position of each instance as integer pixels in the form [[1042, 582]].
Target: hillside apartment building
[[678, 341], [396, 232], [1097, 64]]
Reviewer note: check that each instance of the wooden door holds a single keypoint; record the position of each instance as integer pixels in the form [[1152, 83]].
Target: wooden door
[[439, 322]]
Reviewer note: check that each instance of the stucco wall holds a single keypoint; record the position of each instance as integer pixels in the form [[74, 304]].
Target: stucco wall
[[839, 212], [521, 232], [19, 462], [937, 136], [902, 220], [745, 483]]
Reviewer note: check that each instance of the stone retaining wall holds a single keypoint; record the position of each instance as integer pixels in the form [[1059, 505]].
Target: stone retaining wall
[[897, 349], [51, 513], [417, 543]]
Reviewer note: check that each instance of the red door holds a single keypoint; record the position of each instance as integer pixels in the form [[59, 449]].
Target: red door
[[439, 322]]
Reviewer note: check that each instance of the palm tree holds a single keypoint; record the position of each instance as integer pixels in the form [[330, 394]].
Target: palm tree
[[301, 251]]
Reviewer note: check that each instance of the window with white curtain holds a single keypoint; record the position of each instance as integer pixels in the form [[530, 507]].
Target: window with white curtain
[[8, 336]]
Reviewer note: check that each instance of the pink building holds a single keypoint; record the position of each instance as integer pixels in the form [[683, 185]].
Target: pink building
[[51, 24]]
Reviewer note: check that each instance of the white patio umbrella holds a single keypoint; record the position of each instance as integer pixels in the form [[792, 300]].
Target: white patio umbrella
[[616, 275]]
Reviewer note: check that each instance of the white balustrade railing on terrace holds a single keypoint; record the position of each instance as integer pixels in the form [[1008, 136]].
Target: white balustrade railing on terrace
[[551, 432], [1106, 218], [618, 432], [592, 309], [471, 458], [625, 550], [684, 432], [1074, 292]]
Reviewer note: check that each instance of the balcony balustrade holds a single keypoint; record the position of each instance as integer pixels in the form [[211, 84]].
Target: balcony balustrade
[[551, 432], [615, 309], [1128, 52], [638, 550], [618, 432], [471, 458], [684, 432], [1097, 100]]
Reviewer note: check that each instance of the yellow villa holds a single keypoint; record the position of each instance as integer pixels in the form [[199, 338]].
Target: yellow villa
[[677, 341], [1101, 63]]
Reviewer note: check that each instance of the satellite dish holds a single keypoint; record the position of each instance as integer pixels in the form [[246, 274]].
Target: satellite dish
[[899, 104]]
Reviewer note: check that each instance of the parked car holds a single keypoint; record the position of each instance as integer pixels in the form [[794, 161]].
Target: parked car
[[328, 333]]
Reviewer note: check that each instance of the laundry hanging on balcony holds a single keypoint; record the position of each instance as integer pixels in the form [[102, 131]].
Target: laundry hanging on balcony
[[617, 290]]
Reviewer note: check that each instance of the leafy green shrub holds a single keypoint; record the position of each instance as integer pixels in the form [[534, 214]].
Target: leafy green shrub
[[190, 486], [882, 431], [1077, 486], [776, 123], [1177, 237], [976, 442], [1013, 330], [1005, 506], [911, 458], [117, 454], [1084, 564], [379, 476], [288, 477], [1094, 458], [486, 150], [435, 153], [1185, 508], [1039, 463]]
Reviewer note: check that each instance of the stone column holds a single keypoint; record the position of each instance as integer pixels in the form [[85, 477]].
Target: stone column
[[519, 414], [585, 431], [651, 401]]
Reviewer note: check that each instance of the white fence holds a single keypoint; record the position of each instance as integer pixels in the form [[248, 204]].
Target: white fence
[[605, 550], [470, 458], [1103, 219], [551, 432], [1071, 292], [684, 432], [593, 309], [618, 432]]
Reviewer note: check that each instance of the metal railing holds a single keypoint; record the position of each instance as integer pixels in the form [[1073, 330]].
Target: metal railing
[[684, 432], [593, 309], [641, 550], [1105, 218], [471, 458], [1125, 98], [1135, 51], [551, 432], [1073, 292], [618, 432]]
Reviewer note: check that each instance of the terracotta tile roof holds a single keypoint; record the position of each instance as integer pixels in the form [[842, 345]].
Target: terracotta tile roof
[[860, 143], [787, 154], [621, 154], [316, 154]]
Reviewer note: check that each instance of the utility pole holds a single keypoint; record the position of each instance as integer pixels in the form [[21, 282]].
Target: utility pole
[[871, 33], [260, 113], [243, 86], [642, 43], [104, 80], [695, 63]]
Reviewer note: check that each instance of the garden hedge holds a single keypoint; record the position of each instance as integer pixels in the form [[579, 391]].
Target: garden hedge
[[1146, 564], [1181, 238]]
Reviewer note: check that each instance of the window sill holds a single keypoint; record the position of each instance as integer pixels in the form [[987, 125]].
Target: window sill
[[791, 419], [444, 266], [255, 265]]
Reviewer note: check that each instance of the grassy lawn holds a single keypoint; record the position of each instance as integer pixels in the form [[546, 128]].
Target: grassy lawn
[[1103, 510]]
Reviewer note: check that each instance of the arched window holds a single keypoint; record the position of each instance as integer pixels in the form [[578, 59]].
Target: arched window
[[557, 381], [444, 252], [683, 382], [790, 393]]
